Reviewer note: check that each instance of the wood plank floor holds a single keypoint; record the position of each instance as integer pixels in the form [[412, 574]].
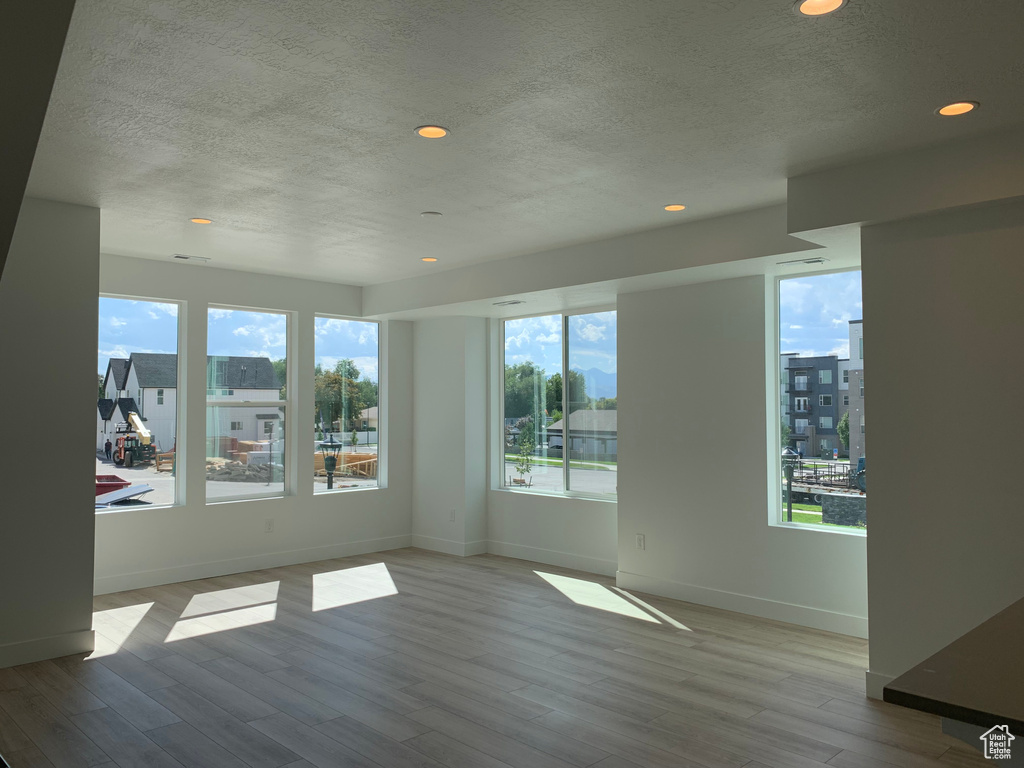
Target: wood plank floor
[[411, 658]]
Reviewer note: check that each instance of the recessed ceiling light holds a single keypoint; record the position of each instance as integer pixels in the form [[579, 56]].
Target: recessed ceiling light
[[428, 259], [957, 108], [432, 131], [817, 7], [431, 214], [201, 221], [675, 207]]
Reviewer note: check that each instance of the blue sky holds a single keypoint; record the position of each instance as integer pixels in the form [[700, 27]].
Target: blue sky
[[814, 313], [128, 326], [591, 342], [338, 339]]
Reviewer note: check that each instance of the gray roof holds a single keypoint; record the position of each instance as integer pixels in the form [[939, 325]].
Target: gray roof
[[118, 368], [105, 406], [241, 373], [161, 370], [155, 370], [109, 409], [589, 421]]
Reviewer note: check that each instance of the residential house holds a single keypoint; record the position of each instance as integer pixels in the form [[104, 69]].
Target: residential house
[[593, 435]]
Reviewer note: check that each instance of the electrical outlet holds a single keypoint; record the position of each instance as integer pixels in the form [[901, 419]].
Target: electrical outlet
[[268, 525], [640, 543]]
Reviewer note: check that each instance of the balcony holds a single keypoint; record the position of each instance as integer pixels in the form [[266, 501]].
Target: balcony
[[801, 384]]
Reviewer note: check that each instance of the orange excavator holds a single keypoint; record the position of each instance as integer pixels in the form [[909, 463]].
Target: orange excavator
[[134, 442]]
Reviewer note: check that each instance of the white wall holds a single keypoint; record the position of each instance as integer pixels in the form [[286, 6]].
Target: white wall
[[944, 550], [48, 320], [693, 466], [449, 435], [139, 547]]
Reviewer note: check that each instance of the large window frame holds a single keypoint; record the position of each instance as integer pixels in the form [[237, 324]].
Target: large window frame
[[382, 409], [499, 443], [774, 392], [180, 411], [287, 406]]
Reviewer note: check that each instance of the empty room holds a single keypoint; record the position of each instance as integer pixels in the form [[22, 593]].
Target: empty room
[[344, 292]]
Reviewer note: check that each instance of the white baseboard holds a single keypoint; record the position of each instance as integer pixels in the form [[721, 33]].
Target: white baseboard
[[874, 682], [27, 651], [448, 546], [141, 579], [818, 618], [553, 557]]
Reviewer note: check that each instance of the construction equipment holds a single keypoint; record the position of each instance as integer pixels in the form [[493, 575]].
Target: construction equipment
[[134, 442]]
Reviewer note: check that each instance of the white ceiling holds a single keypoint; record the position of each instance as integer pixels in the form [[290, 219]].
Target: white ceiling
[[290, 123]]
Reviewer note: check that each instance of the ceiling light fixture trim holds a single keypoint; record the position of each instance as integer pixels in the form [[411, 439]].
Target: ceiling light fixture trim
[[812, 9], [673, 207], [429, 259], [957, 108], [432, 131], [201, 220]]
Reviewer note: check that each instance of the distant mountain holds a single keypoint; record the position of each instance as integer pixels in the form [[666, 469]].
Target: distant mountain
[[599, 383]]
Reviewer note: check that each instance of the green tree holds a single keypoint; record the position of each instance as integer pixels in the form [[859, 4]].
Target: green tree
[[337, 394], [577, 391], [785, 434], [606, 404], [524, 391], [843, 430], [524, 461], [281, 372]]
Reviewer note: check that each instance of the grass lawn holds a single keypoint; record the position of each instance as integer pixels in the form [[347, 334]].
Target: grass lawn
[[545, 461]]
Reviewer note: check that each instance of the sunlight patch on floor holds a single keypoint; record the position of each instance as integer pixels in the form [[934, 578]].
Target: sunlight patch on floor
[[352, 585], [230, 599], [648, 607], [594, 595], [114, 626], [222, 622]]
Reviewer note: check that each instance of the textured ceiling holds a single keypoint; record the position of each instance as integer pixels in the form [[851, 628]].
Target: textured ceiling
[[290, 123]]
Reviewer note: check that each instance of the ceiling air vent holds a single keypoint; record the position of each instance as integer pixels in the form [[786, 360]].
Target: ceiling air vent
[[186, 257], [509, 303], [812, 260]]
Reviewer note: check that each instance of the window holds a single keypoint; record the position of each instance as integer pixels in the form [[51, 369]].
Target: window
[[138, 350], [862, 386], [560, 417], [861, 340], [801, 404], [246, 403], [819, 315], [862, 423], [347, 400]]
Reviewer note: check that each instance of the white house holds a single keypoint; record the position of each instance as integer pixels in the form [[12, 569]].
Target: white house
[[147, 383]]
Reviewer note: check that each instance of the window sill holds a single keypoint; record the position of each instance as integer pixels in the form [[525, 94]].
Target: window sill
[[556, 495], [360, 489], [842, 531]]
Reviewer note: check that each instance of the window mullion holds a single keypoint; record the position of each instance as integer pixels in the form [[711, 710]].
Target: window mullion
[[565, 402]]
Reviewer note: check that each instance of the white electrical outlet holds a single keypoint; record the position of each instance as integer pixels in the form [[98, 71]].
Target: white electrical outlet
[[640, 543], [268, 526]]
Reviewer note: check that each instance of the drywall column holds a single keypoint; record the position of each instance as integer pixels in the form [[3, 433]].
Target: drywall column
[[942, 305], [449, 435], [48, 317], [693, 466]]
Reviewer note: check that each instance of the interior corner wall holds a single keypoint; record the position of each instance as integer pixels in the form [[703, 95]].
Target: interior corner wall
[[140, 547], [693, 466], [945, 409], [449, 435], [48, 313]]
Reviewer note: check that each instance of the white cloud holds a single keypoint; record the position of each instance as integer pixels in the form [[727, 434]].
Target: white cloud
[[553, 338], [153, 315], [591, 332], [220, 314], [169, 309], [117, 322], [118, 351], [245, 330], [796, 327]]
